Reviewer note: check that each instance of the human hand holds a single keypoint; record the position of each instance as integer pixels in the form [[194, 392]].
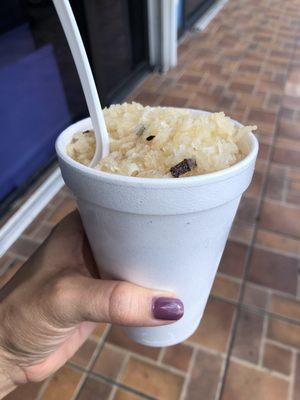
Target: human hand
[[52, 304]]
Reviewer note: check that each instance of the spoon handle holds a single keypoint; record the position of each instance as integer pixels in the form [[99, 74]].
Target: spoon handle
[[74, 39]]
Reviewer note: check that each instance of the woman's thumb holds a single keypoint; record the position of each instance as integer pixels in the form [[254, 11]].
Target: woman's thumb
[[124, 303]]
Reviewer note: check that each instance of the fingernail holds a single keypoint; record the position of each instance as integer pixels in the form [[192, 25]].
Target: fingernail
[[167, 308]]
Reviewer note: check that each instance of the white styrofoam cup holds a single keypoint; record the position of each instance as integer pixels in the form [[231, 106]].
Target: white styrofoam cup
[[159, 233]]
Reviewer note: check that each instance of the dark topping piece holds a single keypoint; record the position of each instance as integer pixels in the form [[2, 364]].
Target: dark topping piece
[[151, 137], [183, 167], [86, 131], [140, 130]]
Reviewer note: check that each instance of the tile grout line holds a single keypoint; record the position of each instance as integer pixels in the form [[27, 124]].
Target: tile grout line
[[110, 381], [274, 250], [263, 341], [113, 392], [89, 373], [93, 359], [161, 355], [122, 369], [164, 367], [204, 349], [260, 368], [106, 379], [298, 283], [43, 389], [79, 385], [251, 246], [221, 375], [123, 366], [146, 359], [98, 349], [188, 375], [223, 368], [288, 205], [228, 340], [285, 190], [292, 376], [120, 385], [231, 278], [281, 345], [269, 301], [258, 310]]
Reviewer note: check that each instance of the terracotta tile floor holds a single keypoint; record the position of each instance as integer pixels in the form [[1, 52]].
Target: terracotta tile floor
[[246, 63]]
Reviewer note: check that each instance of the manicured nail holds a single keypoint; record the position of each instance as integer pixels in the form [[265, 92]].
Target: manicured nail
[[167, 308]]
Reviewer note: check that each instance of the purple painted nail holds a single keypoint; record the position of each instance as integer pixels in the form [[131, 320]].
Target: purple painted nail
[[167, 308]]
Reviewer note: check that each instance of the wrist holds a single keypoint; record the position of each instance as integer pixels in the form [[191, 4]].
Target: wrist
[[7, 384], [7, 371], [11, 374]]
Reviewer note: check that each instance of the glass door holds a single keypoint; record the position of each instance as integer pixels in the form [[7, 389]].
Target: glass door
[[40, 90], [117, 41], [191, 11]]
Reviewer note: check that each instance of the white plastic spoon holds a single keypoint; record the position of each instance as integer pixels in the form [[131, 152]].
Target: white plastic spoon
[[73, 36]]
